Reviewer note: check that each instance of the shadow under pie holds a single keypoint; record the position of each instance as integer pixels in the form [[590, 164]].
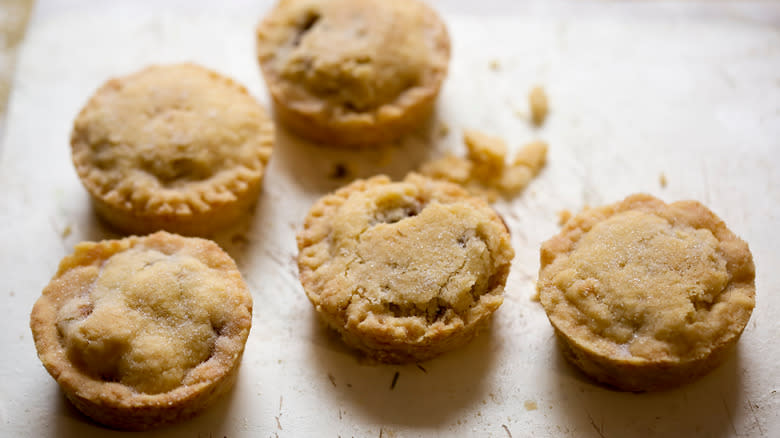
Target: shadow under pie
[[431, 393]]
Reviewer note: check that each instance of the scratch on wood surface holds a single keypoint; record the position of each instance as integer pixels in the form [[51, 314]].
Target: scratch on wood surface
[[395, 380], [728, 414], [339, 413], [727, 77], [281, 399], [755, 417], [422, 368], [509, 434], [332, 379], [599, 430], [273, 255], [278, 423]]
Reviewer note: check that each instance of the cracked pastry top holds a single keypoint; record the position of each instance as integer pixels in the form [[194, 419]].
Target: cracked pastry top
[[646, 295], [174, 147], [143, 331], [404, 270], [353, 72]]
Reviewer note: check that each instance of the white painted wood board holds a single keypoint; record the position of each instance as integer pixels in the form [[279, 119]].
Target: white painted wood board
[[637, 89]]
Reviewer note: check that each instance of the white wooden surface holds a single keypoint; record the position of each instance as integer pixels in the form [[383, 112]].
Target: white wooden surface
[[688, 89]]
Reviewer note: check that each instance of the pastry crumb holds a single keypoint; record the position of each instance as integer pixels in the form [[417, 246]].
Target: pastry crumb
[[662, 180], [443, 129], [449, 168], [494, 65], [484, 170], [66, 231], [563, 217], [530, 405], [537, 101], [340, 171], [485, 151]]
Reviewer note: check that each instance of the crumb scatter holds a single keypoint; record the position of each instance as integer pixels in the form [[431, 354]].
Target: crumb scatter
[[563, 217], [443, 129], [537, 101], [484, 170]]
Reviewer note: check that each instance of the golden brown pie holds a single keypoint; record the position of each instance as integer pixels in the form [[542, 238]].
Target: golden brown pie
[[646, 295], [353, 72], [173, 147], [143, 331], [404, 270]]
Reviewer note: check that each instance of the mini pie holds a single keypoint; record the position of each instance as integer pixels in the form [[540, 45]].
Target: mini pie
[[646, 295], [174, 147], [353, 72], [143, 331], [404, 270]]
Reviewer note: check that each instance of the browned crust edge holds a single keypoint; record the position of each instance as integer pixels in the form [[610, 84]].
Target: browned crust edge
[[353, 133], [195, 224]]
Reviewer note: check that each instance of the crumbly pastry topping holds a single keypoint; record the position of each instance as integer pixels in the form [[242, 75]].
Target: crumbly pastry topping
[[644, 281], [171, 140], [564, 216], [404, 262], [484, 171], [148, 313], [353, 58], [537, 102]]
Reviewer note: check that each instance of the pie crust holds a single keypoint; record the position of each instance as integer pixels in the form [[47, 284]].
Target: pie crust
[[353, 72], [646, 295], [404, 270], [173, 147], [143, 331]]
